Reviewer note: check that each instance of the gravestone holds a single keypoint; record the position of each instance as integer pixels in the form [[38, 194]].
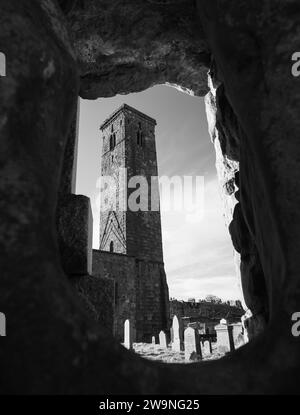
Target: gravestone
[[192, 349], [162, 339], [224, 337], [127, 335], [238, 335], [2, 64], [207, 347], [177, 344], [171, 334], [2, 325], [153, 340]]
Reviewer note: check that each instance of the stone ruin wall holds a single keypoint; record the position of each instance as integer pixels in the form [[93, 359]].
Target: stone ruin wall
[[205, 312], [101, 48], [140, 293], [164, 39]]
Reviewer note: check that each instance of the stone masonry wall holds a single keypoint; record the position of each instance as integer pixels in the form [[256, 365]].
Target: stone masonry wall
[[205, 310], [113, 218], [121, 268], [144, 238], [136, 233], [152, 300], [141, 293]]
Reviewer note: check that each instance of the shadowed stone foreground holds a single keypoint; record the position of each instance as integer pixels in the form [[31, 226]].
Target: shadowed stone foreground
[[52, 346]]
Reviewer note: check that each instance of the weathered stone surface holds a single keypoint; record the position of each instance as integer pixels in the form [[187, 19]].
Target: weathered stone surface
[[129, 46], [207, 347], [75, 234], [64, 352], [177, 329], [68, 172], [2, 324], [128, 335], [97, 295], [162, 339], [141, 293], [204, 315], [225, 342], [238, 335], [192, 348]]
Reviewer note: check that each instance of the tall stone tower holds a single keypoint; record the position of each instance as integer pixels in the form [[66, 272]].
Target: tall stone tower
[[129, 152]]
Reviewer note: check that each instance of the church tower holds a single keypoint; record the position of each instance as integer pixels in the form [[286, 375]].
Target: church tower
[[133, 230]]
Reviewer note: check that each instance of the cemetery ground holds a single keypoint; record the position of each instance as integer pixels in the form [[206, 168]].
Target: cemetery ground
[[167, 355]]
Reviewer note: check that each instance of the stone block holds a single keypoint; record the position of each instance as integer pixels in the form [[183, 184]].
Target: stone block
[[163, 339], [177, 327], [224, 338], [75, 233], [192, 348], [2, 324], [128, 335], [97, 297]]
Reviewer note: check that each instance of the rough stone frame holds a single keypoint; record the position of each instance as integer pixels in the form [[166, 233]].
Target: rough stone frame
[[60, 349]]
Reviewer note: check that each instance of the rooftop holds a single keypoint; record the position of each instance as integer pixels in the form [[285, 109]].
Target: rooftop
[[122, 108]]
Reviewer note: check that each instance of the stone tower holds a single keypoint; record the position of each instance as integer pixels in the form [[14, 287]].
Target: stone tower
[[129, 156]]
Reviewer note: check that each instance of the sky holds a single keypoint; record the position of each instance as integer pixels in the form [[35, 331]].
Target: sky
[[198, 253]]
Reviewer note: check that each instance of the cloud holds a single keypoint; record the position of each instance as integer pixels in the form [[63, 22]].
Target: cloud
[[197, 248], [199, 255]]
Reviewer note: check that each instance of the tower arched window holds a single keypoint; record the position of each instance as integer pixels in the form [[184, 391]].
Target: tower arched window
[[139, 138], [111, 246], [112, 141]]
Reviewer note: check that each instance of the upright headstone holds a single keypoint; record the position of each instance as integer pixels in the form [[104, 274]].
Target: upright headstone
[[224, 337], [153, 340], [162, 339], [177, 344], [127, 335], [207, 347], [172, 334], [192, 349], [238, 335], [2, 325], [244, 320], [2, 64]]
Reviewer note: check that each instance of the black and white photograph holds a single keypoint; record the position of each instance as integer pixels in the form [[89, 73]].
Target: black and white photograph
[[149, 201]]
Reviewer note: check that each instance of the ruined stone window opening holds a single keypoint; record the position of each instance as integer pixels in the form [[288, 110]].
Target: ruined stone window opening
[[139, 138], [112, 141], [134, 132], [111, 246]]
